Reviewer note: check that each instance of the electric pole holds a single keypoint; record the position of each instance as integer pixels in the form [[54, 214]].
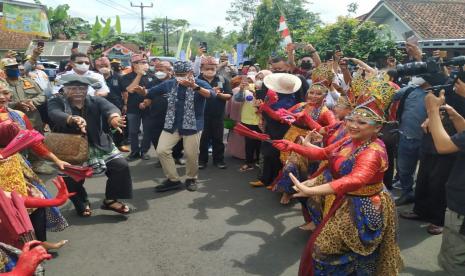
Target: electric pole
[[142, 15]]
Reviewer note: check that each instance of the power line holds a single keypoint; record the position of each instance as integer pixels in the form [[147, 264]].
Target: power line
[[126, 8], [115, 8]]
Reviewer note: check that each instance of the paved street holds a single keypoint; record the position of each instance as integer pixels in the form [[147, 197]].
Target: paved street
[[225, 228]]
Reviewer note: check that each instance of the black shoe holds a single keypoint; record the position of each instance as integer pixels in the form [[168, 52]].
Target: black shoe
[[404, 200], [168, 185], [133, 157], [202, 165], [180, 161], [191, 185], [145, 156], [221, 165], [158, 164]]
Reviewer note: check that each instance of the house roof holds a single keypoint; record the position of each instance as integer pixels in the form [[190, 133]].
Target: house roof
[[429, 19], [14, 41]]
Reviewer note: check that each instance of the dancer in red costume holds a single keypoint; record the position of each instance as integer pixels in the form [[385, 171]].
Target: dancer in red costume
[[356, 224]]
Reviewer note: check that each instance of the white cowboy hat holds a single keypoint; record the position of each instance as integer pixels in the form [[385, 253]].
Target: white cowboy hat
[[283, 83]]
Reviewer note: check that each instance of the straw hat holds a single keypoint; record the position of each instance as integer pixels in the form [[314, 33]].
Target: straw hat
[[283, 83]]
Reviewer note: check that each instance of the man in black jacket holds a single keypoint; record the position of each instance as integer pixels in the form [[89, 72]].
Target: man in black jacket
[[77, 113]]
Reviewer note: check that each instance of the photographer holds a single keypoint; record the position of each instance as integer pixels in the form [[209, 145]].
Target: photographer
[[451, 256]]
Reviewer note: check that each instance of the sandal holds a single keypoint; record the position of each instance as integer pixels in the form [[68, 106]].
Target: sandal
[[245, 168], [87, 212], [122, 209]]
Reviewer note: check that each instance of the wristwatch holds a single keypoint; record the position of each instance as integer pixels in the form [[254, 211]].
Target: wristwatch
[[197, 88]]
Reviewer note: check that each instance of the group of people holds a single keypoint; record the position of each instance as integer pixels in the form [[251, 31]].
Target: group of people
[[316, 131]]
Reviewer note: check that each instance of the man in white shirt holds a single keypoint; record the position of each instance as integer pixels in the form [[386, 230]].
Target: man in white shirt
[[81, 63]]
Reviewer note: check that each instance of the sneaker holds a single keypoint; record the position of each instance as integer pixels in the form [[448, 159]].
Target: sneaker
[[145, 156], [191, 185], [41, 167], [220, 165], [168, 185], [257, 184], [133, 157], [180, 161], [202, 165], [404, 200]]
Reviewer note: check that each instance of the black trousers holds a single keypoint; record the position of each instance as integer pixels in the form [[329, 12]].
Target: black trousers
[[119, 184], [152, 132], [252, 146], [391, 150], [213, 133], [39, 223], [272, 164], [430, 191]]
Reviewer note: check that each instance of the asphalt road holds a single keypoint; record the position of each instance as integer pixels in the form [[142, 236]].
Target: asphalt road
[[225, 228]]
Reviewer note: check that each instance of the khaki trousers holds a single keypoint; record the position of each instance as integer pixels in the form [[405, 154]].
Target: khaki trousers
[[191, 145]]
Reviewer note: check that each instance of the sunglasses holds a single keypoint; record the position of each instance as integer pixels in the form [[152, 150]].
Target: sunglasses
[[82, 62], [359, 122]]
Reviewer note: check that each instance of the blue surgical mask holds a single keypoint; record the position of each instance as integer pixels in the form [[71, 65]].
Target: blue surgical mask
[[12, 72]]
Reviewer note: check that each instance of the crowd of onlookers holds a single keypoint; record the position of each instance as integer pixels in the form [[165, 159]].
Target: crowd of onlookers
[[184, 108]]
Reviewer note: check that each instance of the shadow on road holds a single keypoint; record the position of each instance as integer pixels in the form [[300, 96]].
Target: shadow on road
[[280, 249]]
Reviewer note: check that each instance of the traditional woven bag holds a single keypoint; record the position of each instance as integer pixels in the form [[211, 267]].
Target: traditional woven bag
[[72, 148]]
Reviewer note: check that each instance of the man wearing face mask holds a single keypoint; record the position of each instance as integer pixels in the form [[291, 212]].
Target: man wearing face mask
[[80, 63], [135, 84], [113, 81], [162, 71], [116, 66], [214, 114], [184, 120], [26, 97]]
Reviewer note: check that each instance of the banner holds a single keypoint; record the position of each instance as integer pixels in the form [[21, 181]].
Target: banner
[[241, 47], [25, 19]]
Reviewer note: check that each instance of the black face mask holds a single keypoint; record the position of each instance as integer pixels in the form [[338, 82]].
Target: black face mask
[[307, 65], [116, 68]]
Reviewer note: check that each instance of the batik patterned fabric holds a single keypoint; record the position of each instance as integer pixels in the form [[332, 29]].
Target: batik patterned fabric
[[361, 236], [9, 257]]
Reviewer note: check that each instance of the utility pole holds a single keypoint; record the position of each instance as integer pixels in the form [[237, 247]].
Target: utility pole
[[165, 37], [142, 15]]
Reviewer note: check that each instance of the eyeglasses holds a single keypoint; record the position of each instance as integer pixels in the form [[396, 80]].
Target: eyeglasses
[[359, 122], [82, 62], [76, 88]]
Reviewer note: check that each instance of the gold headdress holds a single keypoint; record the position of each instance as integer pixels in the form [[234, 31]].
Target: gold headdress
[[323, 74]]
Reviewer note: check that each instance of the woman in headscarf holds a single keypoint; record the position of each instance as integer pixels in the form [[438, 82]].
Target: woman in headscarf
[[356, 225]]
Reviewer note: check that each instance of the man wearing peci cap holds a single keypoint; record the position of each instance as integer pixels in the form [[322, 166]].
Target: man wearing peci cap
[[184, 120], [134, 105]]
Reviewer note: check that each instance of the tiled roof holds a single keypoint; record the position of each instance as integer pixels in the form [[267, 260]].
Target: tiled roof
[[432, 19], [14, 41]]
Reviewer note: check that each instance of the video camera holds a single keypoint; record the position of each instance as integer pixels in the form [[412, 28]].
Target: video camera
[[433, 68]]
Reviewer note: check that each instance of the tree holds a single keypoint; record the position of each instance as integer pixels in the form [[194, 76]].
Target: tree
[[103, 34], [219, 32], [364, 40], [156, 25], [352, 8], [63, 26], [265, 39], [242, 12]]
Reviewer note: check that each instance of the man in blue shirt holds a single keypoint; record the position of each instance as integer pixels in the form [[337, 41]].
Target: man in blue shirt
[[184, 120]]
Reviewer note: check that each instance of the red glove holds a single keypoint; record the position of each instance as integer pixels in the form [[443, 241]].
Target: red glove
[[30, 259], [311, 124], [283, 145], [60, 199]]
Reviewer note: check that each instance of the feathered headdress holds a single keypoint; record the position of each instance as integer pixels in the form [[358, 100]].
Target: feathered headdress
[[371, 97], [323, 74]]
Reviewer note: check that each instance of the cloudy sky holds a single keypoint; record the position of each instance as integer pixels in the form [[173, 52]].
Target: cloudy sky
[[202, 14]]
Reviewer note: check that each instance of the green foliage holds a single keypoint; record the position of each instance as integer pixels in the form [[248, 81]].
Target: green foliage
[[242, 12], [366, 40], [118, 25], [64, 26], [96, 29]]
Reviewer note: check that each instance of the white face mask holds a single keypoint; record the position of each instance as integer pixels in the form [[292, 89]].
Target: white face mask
[[417, 81], [259, 84], [104, 70], [82, 67], [152, 68], [161, 75]]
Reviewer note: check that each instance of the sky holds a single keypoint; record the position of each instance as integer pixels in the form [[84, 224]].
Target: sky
[[203, 15]]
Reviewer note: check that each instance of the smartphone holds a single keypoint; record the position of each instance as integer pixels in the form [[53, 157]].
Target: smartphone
[[141, 48], [204, 45], [75, 45], [329, 55], [338, 48], [40, 43], [220, 86]]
